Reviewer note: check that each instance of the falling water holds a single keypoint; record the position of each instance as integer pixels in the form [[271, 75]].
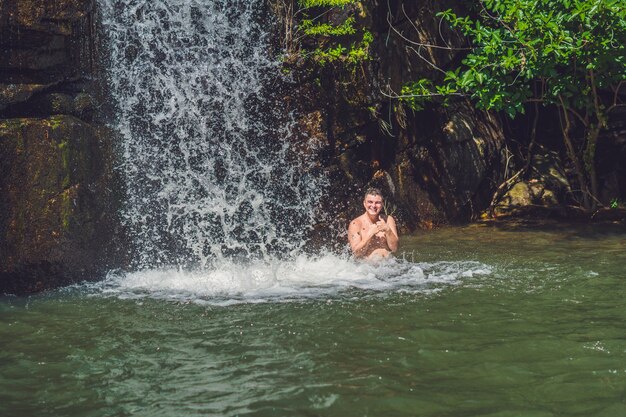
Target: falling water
[[208, 167]]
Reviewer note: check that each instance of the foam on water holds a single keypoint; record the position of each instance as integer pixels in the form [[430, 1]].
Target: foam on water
[[277, 280]]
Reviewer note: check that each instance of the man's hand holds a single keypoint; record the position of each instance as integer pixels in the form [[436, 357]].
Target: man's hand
[[382, 225], [373, 230]]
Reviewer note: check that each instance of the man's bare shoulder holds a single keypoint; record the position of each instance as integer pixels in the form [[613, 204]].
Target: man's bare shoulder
[[358, 222]]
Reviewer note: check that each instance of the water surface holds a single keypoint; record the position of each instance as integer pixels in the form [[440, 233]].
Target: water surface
[[472, 322]]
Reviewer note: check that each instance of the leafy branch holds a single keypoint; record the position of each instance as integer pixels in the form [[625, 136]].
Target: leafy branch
[[570, 54]]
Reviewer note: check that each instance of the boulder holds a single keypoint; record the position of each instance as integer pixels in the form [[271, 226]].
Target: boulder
[[58, 193], [546, 188], [46, 41], [13, 94], [57, 214]]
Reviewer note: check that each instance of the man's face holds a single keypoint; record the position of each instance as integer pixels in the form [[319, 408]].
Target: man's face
[[373, 204]]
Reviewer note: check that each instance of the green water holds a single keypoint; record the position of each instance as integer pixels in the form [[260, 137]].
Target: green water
[[542, 334]]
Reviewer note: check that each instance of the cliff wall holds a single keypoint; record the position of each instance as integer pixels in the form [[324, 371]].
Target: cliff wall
[[438, 165], [57, 205]]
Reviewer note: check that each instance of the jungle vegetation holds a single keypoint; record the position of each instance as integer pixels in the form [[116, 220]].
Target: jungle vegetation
[[565, 55], [335, 41], [569, 54]]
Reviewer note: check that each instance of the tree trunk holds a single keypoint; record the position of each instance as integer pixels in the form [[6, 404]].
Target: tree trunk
[[580, 173]]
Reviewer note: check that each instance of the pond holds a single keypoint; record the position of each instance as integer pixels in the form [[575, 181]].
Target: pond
[[467, 321]]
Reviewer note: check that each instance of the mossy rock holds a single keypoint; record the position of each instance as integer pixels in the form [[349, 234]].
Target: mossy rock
[[54, 204], [520, 195], [533, 193]]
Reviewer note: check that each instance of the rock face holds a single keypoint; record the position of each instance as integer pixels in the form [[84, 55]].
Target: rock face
[[57, 209], [546, 187], [438, 165]]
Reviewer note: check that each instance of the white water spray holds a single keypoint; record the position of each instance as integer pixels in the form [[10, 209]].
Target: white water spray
[[208, 167]]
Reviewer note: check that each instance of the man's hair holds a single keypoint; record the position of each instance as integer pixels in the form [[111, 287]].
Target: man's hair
[[373, 191]]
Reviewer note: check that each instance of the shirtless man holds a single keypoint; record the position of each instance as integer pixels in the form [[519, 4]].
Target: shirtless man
[[372, 234]]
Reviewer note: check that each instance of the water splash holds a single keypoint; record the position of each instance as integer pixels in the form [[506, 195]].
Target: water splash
[[208, 167], [303, 278]]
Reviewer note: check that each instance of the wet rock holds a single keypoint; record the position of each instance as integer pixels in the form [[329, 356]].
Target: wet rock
[[548, 186], [80, 105], [547, 167], [525, 194], [57, 208], [613, 215], [83, 105], [45, 41], [44, 15], [58, 198], [44, 100], [54, 103], [518, 196], [12, 94]]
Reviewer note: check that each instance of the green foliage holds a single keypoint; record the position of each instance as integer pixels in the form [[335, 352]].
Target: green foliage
[[324, 56], [360, 52], [353, 55], [326, 29], [338, 42], [325, 3], [567, 53], [614, 203], [517, 43]]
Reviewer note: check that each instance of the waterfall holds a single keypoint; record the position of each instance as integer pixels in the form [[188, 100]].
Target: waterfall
[[219, 197], [209, 170]]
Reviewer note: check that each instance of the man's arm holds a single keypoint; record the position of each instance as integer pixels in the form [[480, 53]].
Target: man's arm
[[391, 233]]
